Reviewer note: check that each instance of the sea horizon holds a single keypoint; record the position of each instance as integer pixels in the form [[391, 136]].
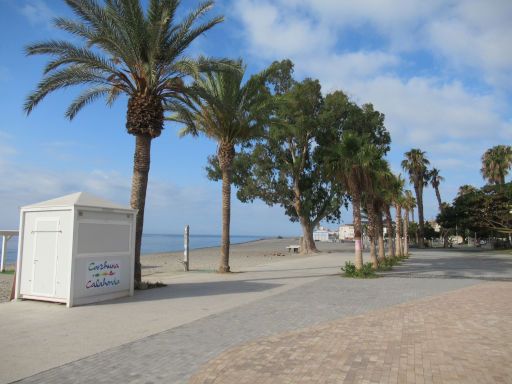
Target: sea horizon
[[162, 243]]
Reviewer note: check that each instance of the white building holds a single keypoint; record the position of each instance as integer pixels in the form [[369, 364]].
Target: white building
[[346, 232]]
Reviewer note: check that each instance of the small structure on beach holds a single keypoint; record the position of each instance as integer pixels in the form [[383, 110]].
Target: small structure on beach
[[76, 249], [321, 234]]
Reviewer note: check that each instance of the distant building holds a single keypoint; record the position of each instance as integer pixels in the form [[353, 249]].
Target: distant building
[[321, 234], [346, 232]]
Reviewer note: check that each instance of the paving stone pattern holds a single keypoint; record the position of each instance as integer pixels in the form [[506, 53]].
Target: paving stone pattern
[[174, 355], [458, 337]]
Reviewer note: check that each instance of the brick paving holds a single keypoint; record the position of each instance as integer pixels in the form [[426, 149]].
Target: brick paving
[[463, 336]]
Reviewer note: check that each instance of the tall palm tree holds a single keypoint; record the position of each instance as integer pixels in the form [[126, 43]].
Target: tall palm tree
[[416, 164], [229, 112], [372, 226], [389, 229], [351, 161], [435, 179], [387, 196], [379, 174], [496, 163], [122, 50], [408, 202], [398, 186]]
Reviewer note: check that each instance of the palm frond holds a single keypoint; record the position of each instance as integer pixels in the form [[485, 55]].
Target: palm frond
[[72, 75], [85, 98]]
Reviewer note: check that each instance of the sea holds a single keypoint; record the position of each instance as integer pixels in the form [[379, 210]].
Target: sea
[[158, 243]]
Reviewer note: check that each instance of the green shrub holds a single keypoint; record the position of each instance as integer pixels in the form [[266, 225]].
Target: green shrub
[[366, 271], [349, 269]]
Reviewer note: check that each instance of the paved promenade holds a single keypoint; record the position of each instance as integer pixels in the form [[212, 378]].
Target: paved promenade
[[191, 329], [458, 337]]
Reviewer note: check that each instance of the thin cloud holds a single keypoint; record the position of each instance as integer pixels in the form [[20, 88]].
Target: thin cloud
[[37, 12]]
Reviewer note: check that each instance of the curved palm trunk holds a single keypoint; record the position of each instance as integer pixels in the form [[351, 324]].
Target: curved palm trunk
[[438, 196], [356, 213], [389, 225], [398, 231], [418, 189], [380, 237], [372, 230], [226, 155], [406, 232], [141, 164]]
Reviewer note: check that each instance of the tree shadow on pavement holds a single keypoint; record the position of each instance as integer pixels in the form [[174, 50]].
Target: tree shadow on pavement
[[182, 290], [461, 264]]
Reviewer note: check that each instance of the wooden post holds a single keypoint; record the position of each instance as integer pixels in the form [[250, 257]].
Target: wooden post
[[186, 244]]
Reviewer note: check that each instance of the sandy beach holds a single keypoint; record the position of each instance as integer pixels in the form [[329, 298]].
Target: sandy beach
[[244, 255], [161, 266]]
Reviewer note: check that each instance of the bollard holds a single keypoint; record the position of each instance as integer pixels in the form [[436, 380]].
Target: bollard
[[185, 245]]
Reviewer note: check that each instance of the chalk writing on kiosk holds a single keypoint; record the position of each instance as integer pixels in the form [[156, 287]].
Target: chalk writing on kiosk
[[102, 275]]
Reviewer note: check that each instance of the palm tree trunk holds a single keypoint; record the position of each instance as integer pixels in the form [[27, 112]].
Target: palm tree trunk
[[389, 225], [380, 237], [226, 221], [226, 155], [412, 215], [372, 229], [356, 213], [438, 196], [406, 232], [419, 197], [398, 231], [141, 164]]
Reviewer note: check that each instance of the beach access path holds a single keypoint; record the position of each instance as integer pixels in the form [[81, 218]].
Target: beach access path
[[187, 330]]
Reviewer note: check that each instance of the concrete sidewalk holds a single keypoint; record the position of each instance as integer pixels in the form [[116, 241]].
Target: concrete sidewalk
[[37, 336]]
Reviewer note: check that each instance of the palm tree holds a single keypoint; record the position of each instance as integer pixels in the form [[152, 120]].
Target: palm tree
[[408, 202], [416, 164], [435, 179], [122, 50], [496, 163], [372, 227], [397, 189], [389, 229], [230, 113], [387, 196], [379, 175], [351, 162]]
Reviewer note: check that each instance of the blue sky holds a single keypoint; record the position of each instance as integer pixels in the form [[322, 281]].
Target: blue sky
[[440, 71]]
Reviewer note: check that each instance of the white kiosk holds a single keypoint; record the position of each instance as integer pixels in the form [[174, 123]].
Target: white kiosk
[[76, 249]]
